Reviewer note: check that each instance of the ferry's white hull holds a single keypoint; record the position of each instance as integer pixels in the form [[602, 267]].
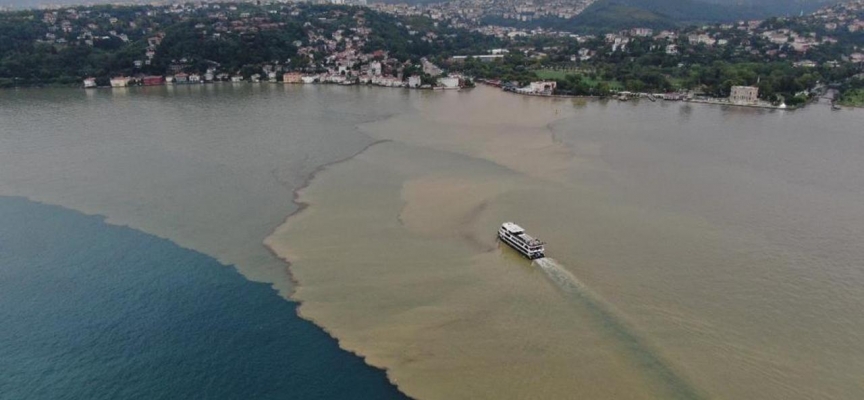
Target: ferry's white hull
[[531, 255]]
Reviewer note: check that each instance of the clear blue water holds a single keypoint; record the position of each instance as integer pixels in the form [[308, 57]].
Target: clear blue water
[[95, 311]]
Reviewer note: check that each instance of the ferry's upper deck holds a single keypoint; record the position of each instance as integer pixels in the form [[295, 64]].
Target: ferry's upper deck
[[519, 234], [512, 228]]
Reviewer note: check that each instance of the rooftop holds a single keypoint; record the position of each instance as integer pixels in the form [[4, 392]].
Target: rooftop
[[512, 228]]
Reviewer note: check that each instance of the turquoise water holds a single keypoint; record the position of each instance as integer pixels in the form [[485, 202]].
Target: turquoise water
[[96, 311]]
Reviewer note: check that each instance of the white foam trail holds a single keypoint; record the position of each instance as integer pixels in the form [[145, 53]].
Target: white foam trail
[[618, 326], [562, 277]]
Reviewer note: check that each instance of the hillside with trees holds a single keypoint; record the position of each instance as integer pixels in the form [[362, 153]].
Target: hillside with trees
[[610, 15], [104, 41]]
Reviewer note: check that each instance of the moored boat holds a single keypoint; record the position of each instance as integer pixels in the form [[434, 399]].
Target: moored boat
[[516, 237]]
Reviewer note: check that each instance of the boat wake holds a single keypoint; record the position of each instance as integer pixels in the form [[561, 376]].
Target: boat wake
[[642, 352], [565, 280]]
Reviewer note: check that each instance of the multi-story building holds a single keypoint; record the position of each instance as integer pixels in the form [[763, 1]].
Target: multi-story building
[[543, 87], [744, 95], [292, 77], [375, 68], [119, 81], [414, 81]]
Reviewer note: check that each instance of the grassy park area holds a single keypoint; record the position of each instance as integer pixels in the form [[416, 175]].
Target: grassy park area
[[557, 74], [853, 98]]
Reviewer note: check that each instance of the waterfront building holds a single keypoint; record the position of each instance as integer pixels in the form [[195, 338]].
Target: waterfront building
[[119, 81], [414, 81], [292, 77], [375, 68], [543, 87], [448, 82], [744, 95], [89, 83], [153, 80]]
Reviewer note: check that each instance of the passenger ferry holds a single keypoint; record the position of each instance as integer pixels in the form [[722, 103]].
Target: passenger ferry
[[516, 237]]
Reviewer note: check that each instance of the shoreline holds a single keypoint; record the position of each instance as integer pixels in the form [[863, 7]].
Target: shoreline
[[716, 102]]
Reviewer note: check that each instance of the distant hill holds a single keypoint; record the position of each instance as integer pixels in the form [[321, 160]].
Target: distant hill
[[602, 14], [606, 15], [23, 4], [695, 10], [662, 13], [620, 14], [668, 13], [762, 8], [777, 8]]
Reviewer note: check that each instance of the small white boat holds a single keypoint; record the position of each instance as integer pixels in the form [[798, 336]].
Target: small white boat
[[516, 237]]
